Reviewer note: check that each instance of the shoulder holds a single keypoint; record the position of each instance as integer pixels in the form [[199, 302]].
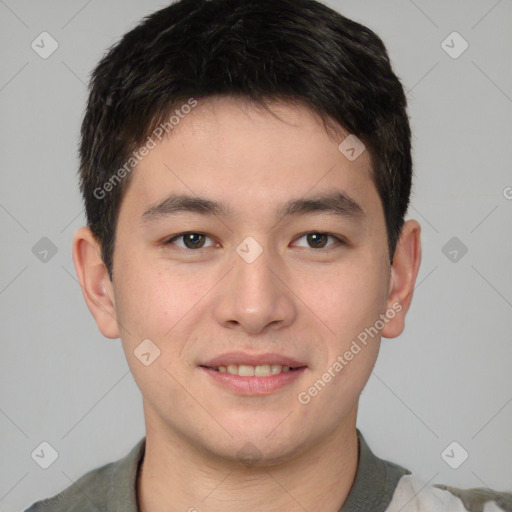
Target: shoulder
[[110, 487], [412, 494], [88, 492]]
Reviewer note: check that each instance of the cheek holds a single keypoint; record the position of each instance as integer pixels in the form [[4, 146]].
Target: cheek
[[150, 304], [349, 298], [151, 307], [146, 301], [163, 303], [350, 302]]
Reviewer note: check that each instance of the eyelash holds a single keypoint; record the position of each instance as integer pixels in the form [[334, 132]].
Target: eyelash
[[339, 240]]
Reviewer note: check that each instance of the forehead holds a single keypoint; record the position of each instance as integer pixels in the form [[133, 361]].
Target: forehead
[[249, 158]]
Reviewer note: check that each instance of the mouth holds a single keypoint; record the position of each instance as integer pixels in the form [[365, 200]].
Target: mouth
[[246, 370], [253, 374]]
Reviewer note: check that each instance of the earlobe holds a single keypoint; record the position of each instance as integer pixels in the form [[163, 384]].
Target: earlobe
[[404, 271], [94, 280]]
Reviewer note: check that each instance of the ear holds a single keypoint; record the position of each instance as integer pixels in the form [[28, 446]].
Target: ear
[[404, 270], [94, 280]]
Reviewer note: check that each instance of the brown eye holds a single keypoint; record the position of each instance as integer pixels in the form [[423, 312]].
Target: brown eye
[[191, 240], [318, 240]]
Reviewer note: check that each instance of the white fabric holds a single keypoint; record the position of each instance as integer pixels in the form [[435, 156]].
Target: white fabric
[[411, 495]]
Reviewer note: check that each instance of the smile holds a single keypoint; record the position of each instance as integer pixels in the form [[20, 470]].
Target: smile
[[245, 370], [247, 380]]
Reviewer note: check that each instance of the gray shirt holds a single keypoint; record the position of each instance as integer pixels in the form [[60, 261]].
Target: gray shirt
[[379, 486]]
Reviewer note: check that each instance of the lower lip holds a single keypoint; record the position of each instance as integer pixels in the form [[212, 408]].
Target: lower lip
[[254, 385]]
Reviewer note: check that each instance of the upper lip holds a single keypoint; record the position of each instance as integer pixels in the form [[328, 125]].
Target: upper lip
[[253, 360]]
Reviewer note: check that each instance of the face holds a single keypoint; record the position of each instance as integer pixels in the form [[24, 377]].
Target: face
[[277, 257]]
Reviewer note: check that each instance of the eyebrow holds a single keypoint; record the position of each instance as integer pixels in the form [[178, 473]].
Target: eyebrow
[[334, 203]]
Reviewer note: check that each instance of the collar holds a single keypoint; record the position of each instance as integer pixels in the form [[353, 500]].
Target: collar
[[375, 481]]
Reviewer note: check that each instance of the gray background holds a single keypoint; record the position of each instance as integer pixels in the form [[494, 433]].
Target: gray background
[[447, 378]]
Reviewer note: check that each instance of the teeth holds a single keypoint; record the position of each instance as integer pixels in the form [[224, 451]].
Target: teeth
[[245, 370], [262, 371]]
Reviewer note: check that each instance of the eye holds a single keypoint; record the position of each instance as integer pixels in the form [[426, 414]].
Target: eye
[[318, 239], [191, 240]]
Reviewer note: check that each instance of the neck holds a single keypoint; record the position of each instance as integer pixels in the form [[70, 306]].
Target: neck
[[176, 476]]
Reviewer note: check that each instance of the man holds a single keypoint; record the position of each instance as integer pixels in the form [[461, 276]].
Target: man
[[246, 169]]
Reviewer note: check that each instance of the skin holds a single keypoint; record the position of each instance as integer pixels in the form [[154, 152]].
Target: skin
[[305, 301]]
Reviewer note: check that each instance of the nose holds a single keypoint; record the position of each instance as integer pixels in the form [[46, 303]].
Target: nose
[[256, 295]]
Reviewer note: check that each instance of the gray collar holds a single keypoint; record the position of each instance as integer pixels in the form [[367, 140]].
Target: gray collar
[[375, 481]]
